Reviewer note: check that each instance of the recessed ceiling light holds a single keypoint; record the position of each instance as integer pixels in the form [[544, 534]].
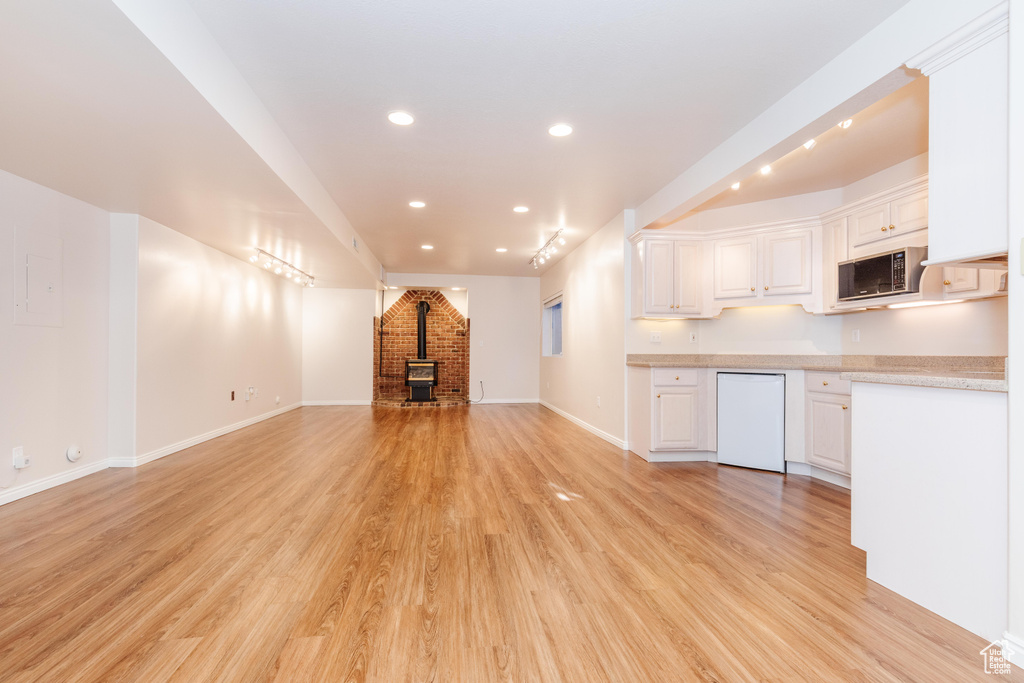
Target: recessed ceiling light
[[521, 209], [766, 169], [735, 186], [846, 123], [417, 205], [400, 118], [426, 246], [501, 250], [560, 130], [810, 143]]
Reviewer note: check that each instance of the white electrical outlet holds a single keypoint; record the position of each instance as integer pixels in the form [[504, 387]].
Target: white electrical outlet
[[693, 337], [855, 336], [21, 461], [655, 337], [598, 401]]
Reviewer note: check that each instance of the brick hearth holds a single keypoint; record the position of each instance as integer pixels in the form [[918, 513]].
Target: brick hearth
[[447, 343]]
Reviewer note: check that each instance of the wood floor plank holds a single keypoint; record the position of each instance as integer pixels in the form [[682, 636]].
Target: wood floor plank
[[478, 543]]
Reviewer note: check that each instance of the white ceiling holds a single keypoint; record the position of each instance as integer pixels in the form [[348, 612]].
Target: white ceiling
[[891, 130], [93, 110]]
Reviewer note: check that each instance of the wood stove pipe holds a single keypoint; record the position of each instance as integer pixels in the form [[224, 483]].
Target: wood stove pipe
[[422, 308]]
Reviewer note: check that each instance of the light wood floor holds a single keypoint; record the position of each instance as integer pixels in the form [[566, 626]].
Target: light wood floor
[[484, 543]]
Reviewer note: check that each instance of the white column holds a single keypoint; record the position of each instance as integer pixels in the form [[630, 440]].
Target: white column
[[121, 368], [1015, 633]]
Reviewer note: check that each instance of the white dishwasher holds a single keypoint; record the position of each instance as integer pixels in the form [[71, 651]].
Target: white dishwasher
[[752, 420]]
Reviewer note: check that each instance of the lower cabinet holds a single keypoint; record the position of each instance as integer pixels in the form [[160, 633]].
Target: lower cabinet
[[668, 413], [827, 404], [676, 418]]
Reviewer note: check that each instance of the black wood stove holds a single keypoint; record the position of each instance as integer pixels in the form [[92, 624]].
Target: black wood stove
[[421, 374]]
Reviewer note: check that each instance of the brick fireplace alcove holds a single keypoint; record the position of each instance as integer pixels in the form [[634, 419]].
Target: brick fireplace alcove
[[447, 343]]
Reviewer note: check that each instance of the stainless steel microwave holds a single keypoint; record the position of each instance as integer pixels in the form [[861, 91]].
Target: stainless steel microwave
[[894, 272]]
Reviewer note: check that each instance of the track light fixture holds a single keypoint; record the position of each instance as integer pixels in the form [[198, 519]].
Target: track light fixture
[[281, 267], [544, 253]]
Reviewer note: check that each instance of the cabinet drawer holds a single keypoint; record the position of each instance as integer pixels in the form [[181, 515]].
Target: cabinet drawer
[[827, 383], [677, 377]]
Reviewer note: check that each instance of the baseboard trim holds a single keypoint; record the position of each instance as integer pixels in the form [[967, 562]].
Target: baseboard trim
[[145, 458], [10, 495], [505, 400], [620, 443], [1017, 645], [354, 402], [807, 470]]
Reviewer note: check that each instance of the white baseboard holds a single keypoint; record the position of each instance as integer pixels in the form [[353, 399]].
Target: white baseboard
[[506, 400], [804, 469], [11, 494], [354, 402], [680, 456], [1017, 645], [195, 440], [620, 443]]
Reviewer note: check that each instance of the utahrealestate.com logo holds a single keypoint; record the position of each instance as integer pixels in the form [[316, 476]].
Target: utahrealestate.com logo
[[997, 657]]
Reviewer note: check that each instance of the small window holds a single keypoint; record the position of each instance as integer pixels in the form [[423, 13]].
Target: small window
[[553, 326]]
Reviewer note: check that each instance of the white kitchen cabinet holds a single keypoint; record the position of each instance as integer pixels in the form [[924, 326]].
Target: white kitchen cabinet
[[827, 404], [785, 265], [957, 280], [973, 283], [676, 418], [736, 268], [669, 413], [671, 277], [887, 223]]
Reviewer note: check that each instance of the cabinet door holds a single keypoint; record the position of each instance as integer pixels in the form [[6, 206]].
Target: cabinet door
[[676, 414], [658, 280], [960, 280], [687, 277], [787, 263], [736, 268], [829, 421], [869, 225], [908, 214]]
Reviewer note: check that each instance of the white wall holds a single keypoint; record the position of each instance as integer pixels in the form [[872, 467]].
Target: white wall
[[337, 346], [504, 332], [973, 328], [770, 329], [593, 359], [209, 324], [54, 378]]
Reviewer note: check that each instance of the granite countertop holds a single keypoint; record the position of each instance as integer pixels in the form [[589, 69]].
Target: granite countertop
[[977, 373]]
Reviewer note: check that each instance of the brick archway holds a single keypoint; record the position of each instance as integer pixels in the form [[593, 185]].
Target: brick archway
[[447, 342]]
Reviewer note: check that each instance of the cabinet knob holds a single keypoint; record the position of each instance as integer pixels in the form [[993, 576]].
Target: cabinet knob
[[845, 408], [677, 376], [751, 289], [947, 283], [884, 228], [766, 288], [825, 383], [892, 227], [659, 395]]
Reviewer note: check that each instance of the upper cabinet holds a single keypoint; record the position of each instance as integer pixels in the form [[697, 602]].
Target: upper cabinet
[[888, 222], [736, 268], [967, 140], [767, 265], [697, 277], [670, 273]]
